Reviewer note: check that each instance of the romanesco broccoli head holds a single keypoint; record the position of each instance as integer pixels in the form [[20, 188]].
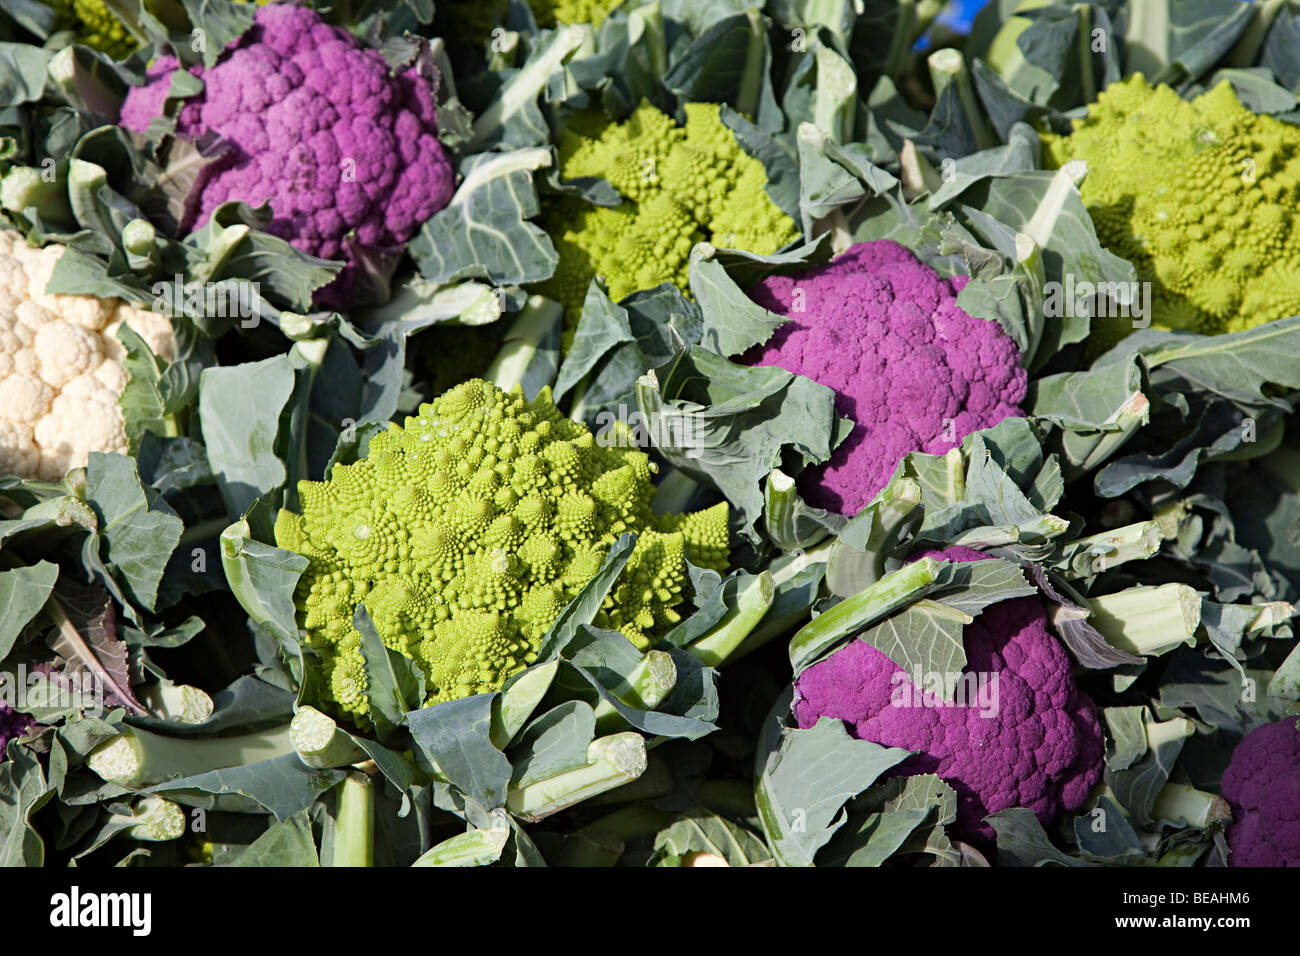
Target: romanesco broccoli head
[[681, 185], [467, 531], [1200, 195], [551, 12]]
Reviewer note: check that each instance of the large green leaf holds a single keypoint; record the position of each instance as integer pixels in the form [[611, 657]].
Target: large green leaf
[[805, 782], [239, 409], [23, 592], [484, 232], [138, 530]]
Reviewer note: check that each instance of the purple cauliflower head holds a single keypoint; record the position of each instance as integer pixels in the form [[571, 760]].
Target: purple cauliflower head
[[345, 152], [1031, 740], [1262, 785], [12, 724], [913, 370]]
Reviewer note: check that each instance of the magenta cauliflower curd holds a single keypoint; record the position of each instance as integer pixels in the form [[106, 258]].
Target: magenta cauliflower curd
[[345, 152], [1262, 785], [1039, 745], [912, 369]]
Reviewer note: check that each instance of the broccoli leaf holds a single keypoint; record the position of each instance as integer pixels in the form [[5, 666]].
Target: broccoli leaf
[[730, 62], [552, 743], [736, 424], [806, 778], [23, 790], [899, 806], [263, 579], [925, 638], [239, 411], [1238, 366], [513, 118], [732, 321], [455, 736], [1128, 736], [1022, 841], [232, 246], [602, 327], [286, 843], [700, 830], [582, 610], [217, 23], [88, 644], [283, 785], [22, 73], [394, 682], [23, 592], [137, 531], [484, 231]]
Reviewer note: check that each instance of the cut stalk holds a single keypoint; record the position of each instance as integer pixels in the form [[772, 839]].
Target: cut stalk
[[354, 821], [611, 762], [644, 689], [179, 703], [1181, 803], [1102, 552], [752, 603], [320, 742], [24, 187], [137, 758], [889, 594], [472, 848], [1148, 620], [153, 819], [948, 67], [513, 707]]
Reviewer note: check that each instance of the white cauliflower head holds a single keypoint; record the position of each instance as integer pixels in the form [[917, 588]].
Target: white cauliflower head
[[60, 365]]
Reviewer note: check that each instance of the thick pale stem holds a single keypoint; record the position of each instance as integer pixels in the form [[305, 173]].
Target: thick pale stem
[[539, 320], [1181, 803], [354, 821], [138, 758], [644, 689], [752, 602], [179, 703], [1102, 552], [472, 848], [319, 741], [153, 819], [45, 192], [1148, 620], [611, 762], [889, 594]]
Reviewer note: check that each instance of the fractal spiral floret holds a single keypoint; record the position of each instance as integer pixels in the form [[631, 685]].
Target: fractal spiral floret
[[681, 185], [467, 531], [1200, 195]]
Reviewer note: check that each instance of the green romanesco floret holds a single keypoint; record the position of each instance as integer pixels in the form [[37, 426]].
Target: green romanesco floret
[[551, 12], [95, 26], [681, 185], [467, 531], [1200, 195]]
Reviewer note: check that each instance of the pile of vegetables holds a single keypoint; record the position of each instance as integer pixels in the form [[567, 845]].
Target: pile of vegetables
[[649, 433]]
